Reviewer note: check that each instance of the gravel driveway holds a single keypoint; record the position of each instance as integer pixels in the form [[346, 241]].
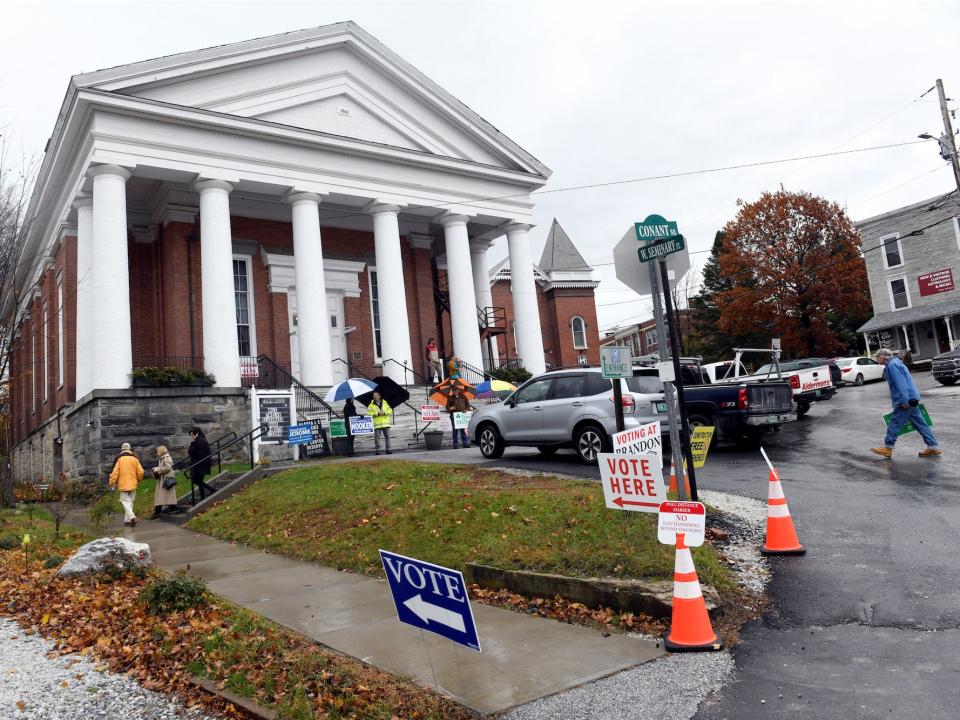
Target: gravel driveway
[[34, 686]]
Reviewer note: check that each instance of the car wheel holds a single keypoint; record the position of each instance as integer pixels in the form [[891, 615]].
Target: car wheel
[[858, 381], [491, 444], [946, 381], [547, 450], [589, 442], [802, 409]]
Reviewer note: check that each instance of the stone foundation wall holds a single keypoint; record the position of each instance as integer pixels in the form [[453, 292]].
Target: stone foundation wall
[[94, 428]]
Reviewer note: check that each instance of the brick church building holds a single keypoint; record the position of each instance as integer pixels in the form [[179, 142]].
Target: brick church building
[[307, 200]]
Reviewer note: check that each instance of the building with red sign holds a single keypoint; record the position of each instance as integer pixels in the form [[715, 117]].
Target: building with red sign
[[913, 264]]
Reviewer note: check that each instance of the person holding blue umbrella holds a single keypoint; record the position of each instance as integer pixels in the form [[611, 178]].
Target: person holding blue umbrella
[[349, 388]]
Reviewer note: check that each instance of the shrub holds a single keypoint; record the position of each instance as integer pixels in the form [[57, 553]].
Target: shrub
[[172, 593], [53, 561], [161, 376], [103, 510], [9, 542], [514, 375], [121, 566]]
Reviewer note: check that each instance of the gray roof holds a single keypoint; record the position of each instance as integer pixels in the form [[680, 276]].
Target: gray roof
[[911, 315], [559, 253]]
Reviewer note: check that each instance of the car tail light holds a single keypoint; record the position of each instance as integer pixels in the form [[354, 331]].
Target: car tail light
[[795, 382], [742, 401], [627, 403], [846, 369]]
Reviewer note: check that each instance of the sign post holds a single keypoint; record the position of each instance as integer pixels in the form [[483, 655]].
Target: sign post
[[616, 363]]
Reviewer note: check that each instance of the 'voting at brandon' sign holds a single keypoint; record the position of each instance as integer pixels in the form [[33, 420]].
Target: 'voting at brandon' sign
[[632, 482]]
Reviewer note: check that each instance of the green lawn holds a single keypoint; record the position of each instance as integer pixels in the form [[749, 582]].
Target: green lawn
[[340, 515]]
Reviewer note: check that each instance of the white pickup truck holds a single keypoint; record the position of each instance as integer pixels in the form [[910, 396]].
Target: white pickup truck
[[809, 384]]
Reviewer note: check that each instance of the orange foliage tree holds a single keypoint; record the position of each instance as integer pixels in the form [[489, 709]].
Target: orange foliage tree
[[794, 270]]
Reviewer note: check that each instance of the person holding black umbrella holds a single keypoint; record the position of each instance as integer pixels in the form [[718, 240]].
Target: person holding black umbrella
[[349, 411]]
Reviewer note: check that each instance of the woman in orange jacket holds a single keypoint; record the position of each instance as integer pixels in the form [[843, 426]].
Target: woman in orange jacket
[[127, 473]]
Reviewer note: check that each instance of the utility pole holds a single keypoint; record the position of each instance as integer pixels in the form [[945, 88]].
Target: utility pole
[[951, 144]]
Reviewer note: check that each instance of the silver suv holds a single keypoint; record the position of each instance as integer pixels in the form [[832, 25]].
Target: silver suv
[[562, 408]]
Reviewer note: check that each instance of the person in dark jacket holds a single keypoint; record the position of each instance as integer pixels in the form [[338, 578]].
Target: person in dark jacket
[[349, 411], [199, 453], [458, 403]]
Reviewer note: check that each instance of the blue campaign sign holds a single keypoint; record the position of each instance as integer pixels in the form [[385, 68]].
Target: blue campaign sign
[[361, 425], [431, 597], [300, 434]]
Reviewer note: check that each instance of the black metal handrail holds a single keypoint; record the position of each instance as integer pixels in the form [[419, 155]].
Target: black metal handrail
[[492, 317], [471, 374], [270, 374], [250, 436]]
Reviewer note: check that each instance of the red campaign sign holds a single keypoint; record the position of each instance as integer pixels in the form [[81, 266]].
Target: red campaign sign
[[936, 282]]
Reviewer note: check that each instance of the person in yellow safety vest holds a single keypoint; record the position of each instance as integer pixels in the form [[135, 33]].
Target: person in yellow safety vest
[[382, 414]]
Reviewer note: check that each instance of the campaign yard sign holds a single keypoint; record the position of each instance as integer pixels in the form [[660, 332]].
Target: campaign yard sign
[[700, 444], [338, 428], [909, 427], [682, 518], [361, 425], [430, 413], [318, 446], [461, 420], [300, 434], [642, 440], [431, 597], [632, 482]]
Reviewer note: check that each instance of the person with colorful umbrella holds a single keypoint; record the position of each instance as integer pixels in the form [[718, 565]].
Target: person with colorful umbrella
[[440, 393], [494, 388], [458, 403]]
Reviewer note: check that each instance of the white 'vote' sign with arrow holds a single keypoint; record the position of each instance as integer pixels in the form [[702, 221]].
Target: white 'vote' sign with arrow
[[632, 482]]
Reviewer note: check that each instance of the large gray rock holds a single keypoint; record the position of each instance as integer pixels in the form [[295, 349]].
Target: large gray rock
[[99, 554]]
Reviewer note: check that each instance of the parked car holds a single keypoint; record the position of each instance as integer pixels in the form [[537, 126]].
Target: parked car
[[558, 409], [809, 384], [835, 373], [946, 367], [858, 370]]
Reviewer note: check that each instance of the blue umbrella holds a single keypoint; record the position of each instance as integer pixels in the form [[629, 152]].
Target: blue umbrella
[[349, 388]]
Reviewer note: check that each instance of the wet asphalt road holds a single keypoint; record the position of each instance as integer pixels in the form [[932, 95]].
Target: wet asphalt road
[[867, 623]]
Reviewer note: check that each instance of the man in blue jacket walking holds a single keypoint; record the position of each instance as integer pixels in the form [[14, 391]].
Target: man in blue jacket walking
[[905, 398]]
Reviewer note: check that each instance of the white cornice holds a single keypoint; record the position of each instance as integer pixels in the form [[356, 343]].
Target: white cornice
[[338, 275]]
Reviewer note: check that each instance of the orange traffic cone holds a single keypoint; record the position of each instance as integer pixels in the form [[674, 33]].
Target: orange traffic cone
[[690, 627], [781, 535], [673, 479]]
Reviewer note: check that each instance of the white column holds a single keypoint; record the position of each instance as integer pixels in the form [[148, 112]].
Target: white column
[[949, 324], [313, 323], [906, 339], [392, 295], [464, 324], [526, 311], [866, 340], [109, 323], [84, 313], [482, 292], [221, 355]]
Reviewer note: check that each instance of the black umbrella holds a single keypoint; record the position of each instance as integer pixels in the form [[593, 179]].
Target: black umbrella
[[394, 394]]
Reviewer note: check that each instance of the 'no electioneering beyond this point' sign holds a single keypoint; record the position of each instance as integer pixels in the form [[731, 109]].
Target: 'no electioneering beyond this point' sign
[[431, 597], [682, 518]]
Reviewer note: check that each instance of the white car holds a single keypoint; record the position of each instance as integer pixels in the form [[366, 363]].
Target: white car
[[858, 370]]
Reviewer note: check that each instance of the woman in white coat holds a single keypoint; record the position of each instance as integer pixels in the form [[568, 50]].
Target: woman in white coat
[[164, 499]]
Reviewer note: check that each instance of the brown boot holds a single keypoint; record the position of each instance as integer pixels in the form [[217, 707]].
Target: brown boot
[[930, 452], [883, 451]]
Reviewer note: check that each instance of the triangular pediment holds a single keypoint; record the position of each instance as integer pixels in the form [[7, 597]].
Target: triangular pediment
[[335, 79]]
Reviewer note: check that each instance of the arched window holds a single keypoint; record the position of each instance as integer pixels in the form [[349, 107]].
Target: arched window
[[579, 329]]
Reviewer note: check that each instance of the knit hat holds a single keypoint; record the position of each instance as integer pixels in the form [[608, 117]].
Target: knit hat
[[125, 447]]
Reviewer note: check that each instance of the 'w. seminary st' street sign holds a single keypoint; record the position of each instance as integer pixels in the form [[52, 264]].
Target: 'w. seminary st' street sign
[[659, 237]]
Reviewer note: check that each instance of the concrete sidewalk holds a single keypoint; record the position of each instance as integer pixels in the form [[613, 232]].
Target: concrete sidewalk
[[524, 657]]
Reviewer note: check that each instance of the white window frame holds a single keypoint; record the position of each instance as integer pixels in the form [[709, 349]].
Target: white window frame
[[883, 246], [583, 332], [956, 229], [251, 309], [60, 344], [46, 351], [375, 318], [906, 286], [650, 336]]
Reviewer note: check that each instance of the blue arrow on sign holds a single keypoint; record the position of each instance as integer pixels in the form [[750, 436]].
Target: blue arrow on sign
[[431, 597]]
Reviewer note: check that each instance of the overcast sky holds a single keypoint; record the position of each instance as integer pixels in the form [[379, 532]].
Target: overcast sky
[[599, 91]]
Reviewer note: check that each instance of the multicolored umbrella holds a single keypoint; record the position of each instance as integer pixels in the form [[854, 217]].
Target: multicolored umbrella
[[494, 388], [441, 392], [349, 388]]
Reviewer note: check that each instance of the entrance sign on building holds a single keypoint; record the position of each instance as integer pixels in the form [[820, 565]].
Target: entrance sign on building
[[361, 425], [274, 412], [643, 440], [461, 420], [700, 438], [616, 362], [300, 434], [431, 597], [430, 413], [682, 518], [338, 428], [632, 482]]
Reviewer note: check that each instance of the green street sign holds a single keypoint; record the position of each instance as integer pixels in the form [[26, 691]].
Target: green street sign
[[655, 228], [654, 251], [616, 362]]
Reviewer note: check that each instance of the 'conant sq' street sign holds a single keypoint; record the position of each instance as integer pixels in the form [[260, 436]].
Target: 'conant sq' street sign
[[659, 237]]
